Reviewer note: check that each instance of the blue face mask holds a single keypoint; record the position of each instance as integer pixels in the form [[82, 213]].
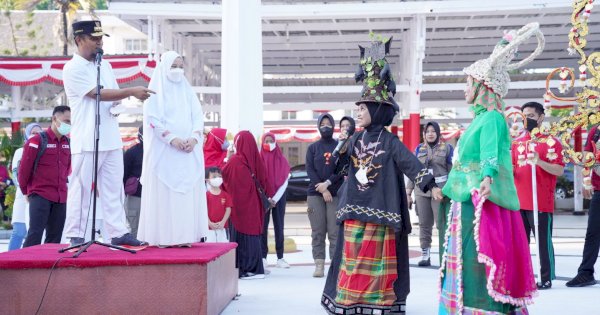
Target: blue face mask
[[64, 128], [225, 145]]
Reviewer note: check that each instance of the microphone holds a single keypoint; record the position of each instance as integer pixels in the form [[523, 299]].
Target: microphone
[[337, 149], [99, 53]]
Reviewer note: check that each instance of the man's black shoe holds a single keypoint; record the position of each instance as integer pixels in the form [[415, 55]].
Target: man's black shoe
[[581, 280], [127, 239]]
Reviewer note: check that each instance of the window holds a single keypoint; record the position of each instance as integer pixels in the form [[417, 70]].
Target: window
[[288, 115], [317, 114], [136, 45]]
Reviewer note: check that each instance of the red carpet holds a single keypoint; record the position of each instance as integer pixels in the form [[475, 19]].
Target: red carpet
[[44, 256]]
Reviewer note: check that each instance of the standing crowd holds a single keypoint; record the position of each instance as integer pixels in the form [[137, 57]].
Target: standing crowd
[[183, 186], [179, 186]]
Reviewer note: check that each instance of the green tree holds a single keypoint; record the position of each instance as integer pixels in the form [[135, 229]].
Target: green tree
[[6, 6], [68, 9]]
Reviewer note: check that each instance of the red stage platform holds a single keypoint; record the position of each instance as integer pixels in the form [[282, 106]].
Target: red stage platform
[[198, 280]]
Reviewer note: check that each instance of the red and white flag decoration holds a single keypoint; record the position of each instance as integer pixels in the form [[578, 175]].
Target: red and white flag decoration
[[307, 134], [32, 71]]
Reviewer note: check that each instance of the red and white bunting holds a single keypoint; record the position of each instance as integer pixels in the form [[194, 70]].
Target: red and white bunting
[[32, 71]]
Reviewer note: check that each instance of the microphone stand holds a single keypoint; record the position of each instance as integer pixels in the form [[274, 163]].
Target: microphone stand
[[84, 246]]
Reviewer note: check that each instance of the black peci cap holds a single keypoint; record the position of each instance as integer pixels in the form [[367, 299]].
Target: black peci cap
[[93, 28]]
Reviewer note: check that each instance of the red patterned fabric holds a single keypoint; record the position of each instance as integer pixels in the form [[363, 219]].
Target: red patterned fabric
[[368, 268]]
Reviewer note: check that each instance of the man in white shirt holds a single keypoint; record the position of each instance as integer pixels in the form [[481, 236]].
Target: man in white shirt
[[79, 77]]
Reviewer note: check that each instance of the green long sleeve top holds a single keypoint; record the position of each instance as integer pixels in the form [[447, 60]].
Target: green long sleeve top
[[484, 150]]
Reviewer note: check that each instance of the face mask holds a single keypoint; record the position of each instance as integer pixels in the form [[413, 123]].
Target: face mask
[[531, 124], [216, 182], [175, 75], [326, 131], [64, 128], [225, 145], [269, 146]]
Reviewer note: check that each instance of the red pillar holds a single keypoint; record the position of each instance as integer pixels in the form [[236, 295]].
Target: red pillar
[[15, 126], [415, 128], [406, 132]]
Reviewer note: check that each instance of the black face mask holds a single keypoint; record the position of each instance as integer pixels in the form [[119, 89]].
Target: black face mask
[[326, 132], [531, 124]]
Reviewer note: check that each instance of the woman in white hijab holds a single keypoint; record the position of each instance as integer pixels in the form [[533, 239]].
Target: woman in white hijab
[[173, 208]]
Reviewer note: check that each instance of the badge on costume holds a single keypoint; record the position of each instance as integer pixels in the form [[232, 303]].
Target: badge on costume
[[327, 156], [551, 155], [521, 157], [361, 175]]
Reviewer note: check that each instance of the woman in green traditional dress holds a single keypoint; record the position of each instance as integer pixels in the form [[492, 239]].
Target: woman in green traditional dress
[[486, 265]]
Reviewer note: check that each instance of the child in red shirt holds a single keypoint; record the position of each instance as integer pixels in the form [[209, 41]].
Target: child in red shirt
[[219, 206]]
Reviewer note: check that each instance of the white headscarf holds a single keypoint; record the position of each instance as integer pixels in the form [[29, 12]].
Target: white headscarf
[[174, 107]]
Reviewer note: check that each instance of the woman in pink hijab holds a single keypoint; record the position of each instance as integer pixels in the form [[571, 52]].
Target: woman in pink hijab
[[278, 172]]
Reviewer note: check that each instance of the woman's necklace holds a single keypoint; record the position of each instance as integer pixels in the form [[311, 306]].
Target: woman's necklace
[[361, 174]]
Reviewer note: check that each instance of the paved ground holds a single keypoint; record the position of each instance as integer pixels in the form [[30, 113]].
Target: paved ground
[[294, 291]]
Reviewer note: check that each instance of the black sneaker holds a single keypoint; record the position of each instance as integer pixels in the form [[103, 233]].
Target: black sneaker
[[127, 239], [544, 285], [76, 241], [581, 280]]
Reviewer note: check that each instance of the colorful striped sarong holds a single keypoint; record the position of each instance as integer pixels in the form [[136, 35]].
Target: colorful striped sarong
[[368, 269]]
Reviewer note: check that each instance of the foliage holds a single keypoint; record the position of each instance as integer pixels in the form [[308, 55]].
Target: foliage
[[68, 9], [50, 5], [24, 28], [561, 112], [8, 146], [9, 200], [377, 37]]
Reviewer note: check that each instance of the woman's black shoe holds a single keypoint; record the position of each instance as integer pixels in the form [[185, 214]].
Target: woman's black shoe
[[544, 285]]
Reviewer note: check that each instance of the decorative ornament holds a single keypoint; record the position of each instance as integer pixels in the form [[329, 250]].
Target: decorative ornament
[[547, 100], [588, 98], [493, 70], [564, 74], [588, 10], [582, 73]]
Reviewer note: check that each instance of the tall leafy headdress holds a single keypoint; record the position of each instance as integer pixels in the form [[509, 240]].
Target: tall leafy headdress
[[375, 73]]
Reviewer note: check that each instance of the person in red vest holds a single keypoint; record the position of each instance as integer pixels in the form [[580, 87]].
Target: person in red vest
[[43, 172], [549, 165]]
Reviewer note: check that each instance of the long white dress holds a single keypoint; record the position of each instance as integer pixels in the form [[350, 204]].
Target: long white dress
[[20, 207], [173, 205]]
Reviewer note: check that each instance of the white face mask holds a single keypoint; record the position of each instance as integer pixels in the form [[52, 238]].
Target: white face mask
[[271, 146], [175, 74], [216, 181]]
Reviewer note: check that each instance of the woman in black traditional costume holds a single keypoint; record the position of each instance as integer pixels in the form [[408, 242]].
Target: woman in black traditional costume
[[369, 273]]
